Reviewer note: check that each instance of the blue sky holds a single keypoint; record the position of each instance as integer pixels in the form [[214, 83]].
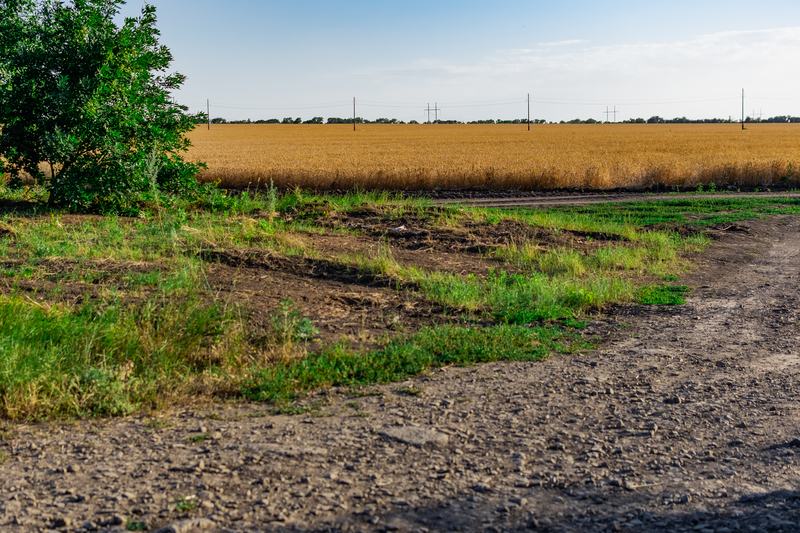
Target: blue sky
[[266, 59]]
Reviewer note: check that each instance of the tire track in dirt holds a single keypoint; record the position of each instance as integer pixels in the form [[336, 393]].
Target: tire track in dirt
[[685, 419]]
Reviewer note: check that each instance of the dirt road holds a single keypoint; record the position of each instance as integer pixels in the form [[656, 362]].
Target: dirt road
[[685, 419], [534, 199]]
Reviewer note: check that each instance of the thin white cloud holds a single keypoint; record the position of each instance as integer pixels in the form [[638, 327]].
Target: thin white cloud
[[751, 49], [562, 43], [744, 53], [697, 77]]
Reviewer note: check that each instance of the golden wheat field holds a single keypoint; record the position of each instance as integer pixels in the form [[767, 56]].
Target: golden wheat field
[[426, 156]]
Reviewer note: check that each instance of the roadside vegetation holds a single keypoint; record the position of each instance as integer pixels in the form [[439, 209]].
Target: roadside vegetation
[[246, 297]]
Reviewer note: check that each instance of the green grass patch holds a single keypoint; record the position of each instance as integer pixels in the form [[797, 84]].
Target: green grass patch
[[662, 295], [711, 209], [402, 359], [109, 358], [185, 504], [524, 298]]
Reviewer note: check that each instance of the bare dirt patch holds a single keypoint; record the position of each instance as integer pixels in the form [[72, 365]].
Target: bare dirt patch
[[70, 282], [345, 303], [684, 420], [419, 230], [419, 239]]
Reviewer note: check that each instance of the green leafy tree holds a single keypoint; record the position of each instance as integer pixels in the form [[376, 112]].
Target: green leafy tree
[[90, 102]]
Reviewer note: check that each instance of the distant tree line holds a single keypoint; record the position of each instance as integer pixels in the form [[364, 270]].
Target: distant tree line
[[359, 120], [684, 120], [678, 120], [778, 119]]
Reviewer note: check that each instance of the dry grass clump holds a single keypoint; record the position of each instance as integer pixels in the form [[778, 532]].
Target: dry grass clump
[[386, 156]]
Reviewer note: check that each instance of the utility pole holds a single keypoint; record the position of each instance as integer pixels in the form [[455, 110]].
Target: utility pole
[[435, 111], [208, 112], [607, 112], [354, 113], [742, 108], [529, 111]]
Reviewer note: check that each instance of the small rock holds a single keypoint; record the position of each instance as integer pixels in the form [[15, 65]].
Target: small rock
[[480, 487], [60, 522]]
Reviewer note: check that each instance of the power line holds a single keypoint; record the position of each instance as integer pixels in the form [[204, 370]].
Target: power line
[[473, 104], [482, 104], [287, 108], [540, 100]]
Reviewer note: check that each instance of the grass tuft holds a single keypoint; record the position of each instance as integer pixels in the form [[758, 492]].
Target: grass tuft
[[662, 295], [107, 358]]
